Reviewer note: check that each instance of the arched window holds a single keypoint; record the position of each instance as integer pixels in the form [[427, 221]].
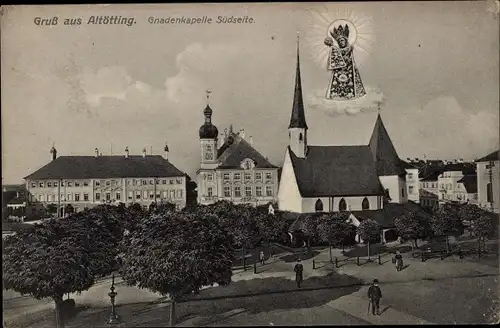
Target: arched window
[[365, 205], [319, 206], [300, 136], [489, 193], [342, 205]]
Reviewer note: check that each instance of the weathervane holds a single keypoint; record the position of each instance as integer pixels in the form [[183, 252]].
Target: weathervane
[[208, 92]]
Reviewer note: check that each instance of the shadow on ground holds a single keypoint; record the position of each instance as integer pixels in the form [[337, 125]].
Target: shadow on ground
[[250, 296], [302, 256]]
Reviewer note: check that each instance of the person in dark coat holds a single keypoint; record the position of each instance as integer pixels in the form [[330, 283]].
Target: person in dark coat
[[399, 261], [298, 273], [374, 295]]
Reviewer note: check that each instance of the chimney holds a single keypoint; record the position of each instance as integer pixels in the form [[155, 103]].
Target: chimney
[[166, 151], [53, 151], [144, 152], [242, 133], [251, 141], [408, 159], [126, 152], [96, 152]]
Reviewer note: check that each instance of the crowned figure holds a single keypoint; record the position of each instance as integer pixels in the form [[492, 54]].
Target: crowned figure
[[345, 82]]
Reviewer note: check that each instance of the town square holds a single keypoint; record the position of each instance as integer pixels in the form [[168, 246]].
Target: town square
[[313, 164]]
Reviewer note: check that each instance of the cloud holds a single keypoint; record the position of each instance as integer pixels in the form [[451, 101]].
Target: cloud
[[367, 103]]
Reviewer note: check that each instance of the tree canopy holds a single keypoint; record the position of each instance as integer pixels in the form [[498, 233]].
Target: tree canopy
[[369, 231], [411, 226], [333, 228]]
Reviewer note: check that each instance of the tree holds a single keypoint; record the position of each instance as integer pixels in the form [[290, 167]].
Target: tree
[[411, 227], [164, 208], [177, 254], [46, 261], [483, 230], [369, 232], [271, 227], [135, 207], [309, 226], [334, 229], [191, 193], [52, 209], [69, 209], [445, 222]]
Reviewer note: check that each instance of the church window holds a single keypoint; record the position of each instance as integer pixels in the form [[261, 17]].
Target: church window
[[365, 205], [342, 205], [300, 136], [489, 193], [318, 206]]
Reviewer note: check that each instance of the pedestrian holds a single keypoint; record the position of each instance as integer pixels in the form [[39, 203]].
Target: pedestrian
[[298, 272], [399, 261], [374, 295], [262, 257]]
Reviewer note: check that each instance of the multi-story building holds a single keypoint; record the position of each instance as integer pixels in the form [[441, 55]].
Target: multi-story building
[[412, 181], [429, 192], [488, 186], [86, 181], [451, 187], [235, 171]]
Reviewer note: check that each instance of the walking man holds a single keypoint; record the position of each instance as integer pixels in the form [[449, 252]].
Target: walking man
[[399, 261], [374, 295], [298, 272], [262, 257]]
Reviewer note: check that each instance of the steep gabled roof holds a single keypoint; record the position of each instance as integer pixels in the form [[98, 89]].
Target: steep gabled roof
[[235, 149], [298, 117], [101, 167], [336, 171], [383, 151], [490, 157]]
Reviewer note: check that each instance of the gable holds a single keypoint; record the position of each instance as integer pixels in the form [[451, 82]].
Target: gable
[[236, 150]]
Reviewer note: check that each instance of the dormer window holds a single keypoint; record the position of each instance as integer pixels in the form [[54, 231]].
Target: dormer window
[[247, 164]]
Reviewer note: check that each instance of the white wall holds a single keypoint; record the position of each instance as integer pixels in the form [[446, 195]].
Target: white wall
[[289, 198], [394, 183], [483, 178], [331, 204], [412, 184]]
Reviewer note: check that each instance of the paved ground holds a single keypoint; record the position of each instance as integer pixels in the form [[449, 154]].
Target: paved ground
[[433, 292]]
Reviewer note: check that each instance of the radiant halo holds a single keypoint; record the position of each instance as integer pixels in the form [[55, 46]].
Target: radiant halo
[[353, 33], [323, 18]]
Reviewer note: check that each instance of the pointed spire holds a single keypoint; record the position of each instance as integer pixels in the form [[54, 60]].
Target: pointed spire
[[298, 118], [385, 156]]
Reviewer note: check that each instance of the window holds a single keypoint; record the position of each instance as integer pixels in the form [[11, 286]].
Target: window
[[248, 176], [300, 136], [118, 196], [86, 197], [318, 207], [49, 184], [151, 195], [226, 176], [33, 185], [137, 195], [237, 191], [269, 175], [179, 193], [129, 182], [489, 193], [85, 183], [258, 191], [432, 185], [237, 176], [269, 190], [70, 183], [151, 181], [342, 205], [227, 191], [62, 197], [164, 181], [77, 184], [171, 181], [108, 183], [40, 184], [134, 182], [97, 184], [108, 196], [410, 189], [179, 181], [70, 197], [165, 193], [158, 195], [145, 194], [157, 181], [210, 177], [248, 191], [410, 176], [77, 197], [209, 191], [258, 175], [144, 182], [365, 205], [402, 193], [130, 195], [172, 194]]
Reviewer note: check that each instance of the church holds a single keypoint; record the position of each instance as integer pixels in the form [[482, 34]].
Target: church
[[232, 169], [368, 181]]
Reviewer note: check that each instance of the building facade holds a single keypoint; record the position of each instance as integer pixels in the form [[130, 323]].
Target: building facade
[[232, 169], [412, 181], [455, 184], [488, 187], [87, 181]]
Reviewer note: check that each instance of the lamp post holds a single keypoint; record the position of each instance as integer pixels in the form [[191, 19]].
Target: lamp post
[[113, 318]]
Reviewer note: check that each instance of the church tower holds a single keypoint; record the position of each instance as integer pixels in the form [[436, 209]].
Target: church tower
[[208, 140], [297, 130]]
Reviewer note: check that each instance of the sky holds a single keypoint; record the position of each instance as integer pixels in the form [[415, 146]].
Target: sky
[[434, 66]]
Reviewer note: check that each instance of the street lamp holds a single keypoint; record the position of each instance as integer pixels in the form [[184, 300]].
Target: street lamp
[[113, 318]]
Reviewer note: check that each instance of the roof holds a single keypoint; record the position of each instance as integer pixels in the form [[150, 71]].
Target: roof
[[336, 171], [101, 167], [386, 216], [490, 157], [298, 117], [235, 149], [407, 165], [470, 183], [430, 172], [16, 187], [383, 151], [460, 167]]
